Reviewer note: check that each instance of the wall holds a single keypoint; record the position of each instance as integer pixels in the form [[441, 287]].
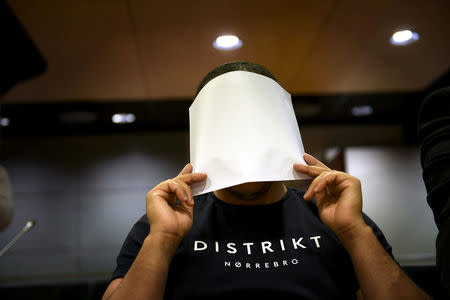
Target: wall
[[394, 196], [85, 193]]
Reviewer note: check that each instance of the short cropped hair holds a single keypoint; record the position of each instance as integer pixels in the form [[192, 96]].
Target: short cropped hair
[[234, 66]]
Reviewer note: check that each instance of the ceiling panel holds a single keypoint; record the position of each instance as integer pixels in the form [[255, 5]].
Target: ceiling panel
[[89, 48], [176, 38], [353, 54]]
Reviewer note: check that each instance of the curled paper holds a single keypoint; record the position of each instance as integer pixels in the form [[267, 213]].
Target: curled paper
[[243, 129]]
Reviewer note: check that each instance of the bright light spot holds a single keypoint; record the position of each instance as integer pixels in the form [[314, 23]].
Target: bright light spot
[[4, 122], [123, 118], [227, 42], [404, 37], [362, 110]]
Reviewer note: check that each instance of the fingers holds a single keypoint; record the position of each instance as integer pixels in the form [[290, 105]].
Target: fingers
[[188, 177], [322, 185], [314, 167], [325, 183], [170, 191], [186, 170], [312, 171], [320, 172], [310, 192], [178, 187], [170, 195], [192, 178], [330, 183], [312, 161], [181, 190]]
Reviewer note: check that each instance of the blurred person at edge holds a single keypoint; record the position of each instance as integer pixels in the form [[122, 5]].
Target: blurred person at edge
[[434, 135], [258, 239], [6, 207]]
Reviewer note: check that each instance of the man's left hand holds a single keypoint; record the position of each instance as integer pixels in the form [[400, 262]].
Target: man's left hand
[[338, 197]]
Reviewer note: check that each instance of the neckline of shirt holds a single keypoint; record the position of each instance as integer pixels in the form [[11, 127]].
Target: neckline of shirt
[[254, 207]]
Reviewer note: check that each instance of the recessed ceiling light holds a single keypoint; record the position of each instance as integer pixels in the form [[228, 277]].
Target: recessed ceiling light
[[227, 42], [4, 122], [362, 110], [123, 118], [404, 37]]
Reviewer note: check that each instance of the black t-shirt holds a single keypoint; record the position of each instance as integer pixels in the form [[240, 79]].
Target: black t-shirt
[[281, 250]]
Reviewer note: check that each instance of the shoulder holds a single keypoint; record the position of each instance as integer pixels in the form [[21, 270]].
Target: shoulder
[[131, 247], [137, 235], [141, 227]]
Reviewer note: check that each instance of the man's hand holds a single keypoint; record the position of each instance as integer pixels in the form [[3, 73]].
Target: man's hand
[[170, 207], [338, 196], [170, 213], [339, 201]]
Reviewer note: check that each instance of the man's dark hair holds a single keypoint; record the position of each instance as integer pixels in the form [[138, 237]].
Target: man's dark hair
[[234, 66]]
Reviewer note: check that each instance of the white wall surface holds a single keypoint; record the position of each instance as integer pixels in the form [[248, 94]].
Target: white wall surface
[[394, 196]]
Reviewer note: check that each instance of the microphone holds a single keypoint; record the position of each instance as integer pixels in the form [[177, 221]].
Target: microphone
[[30, 224]]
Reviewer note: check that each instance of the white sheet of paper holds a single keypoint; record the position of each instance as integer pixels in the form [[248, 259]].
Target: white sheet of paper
[[243, 129]]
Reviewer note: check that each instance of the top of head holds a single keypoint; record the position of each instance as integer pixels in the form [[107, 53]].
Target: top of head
[[234, 66]]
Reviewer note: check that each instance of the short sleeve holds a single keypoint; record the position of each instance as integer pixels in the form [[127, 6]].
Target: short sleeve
[[379, 234], [131, 247]]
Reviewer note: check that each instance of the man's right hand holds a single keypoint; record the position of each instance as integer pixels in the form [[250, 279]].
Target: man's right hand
[[170, 207], [169, 223]]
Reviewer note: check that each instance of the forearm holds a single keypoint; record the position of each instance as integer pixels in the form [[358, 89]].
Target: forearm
[[146, 279], [378, 275]]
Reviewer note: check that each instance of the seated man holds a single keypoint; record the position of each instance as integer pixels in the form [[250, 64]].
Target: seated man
[[258, 239]]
